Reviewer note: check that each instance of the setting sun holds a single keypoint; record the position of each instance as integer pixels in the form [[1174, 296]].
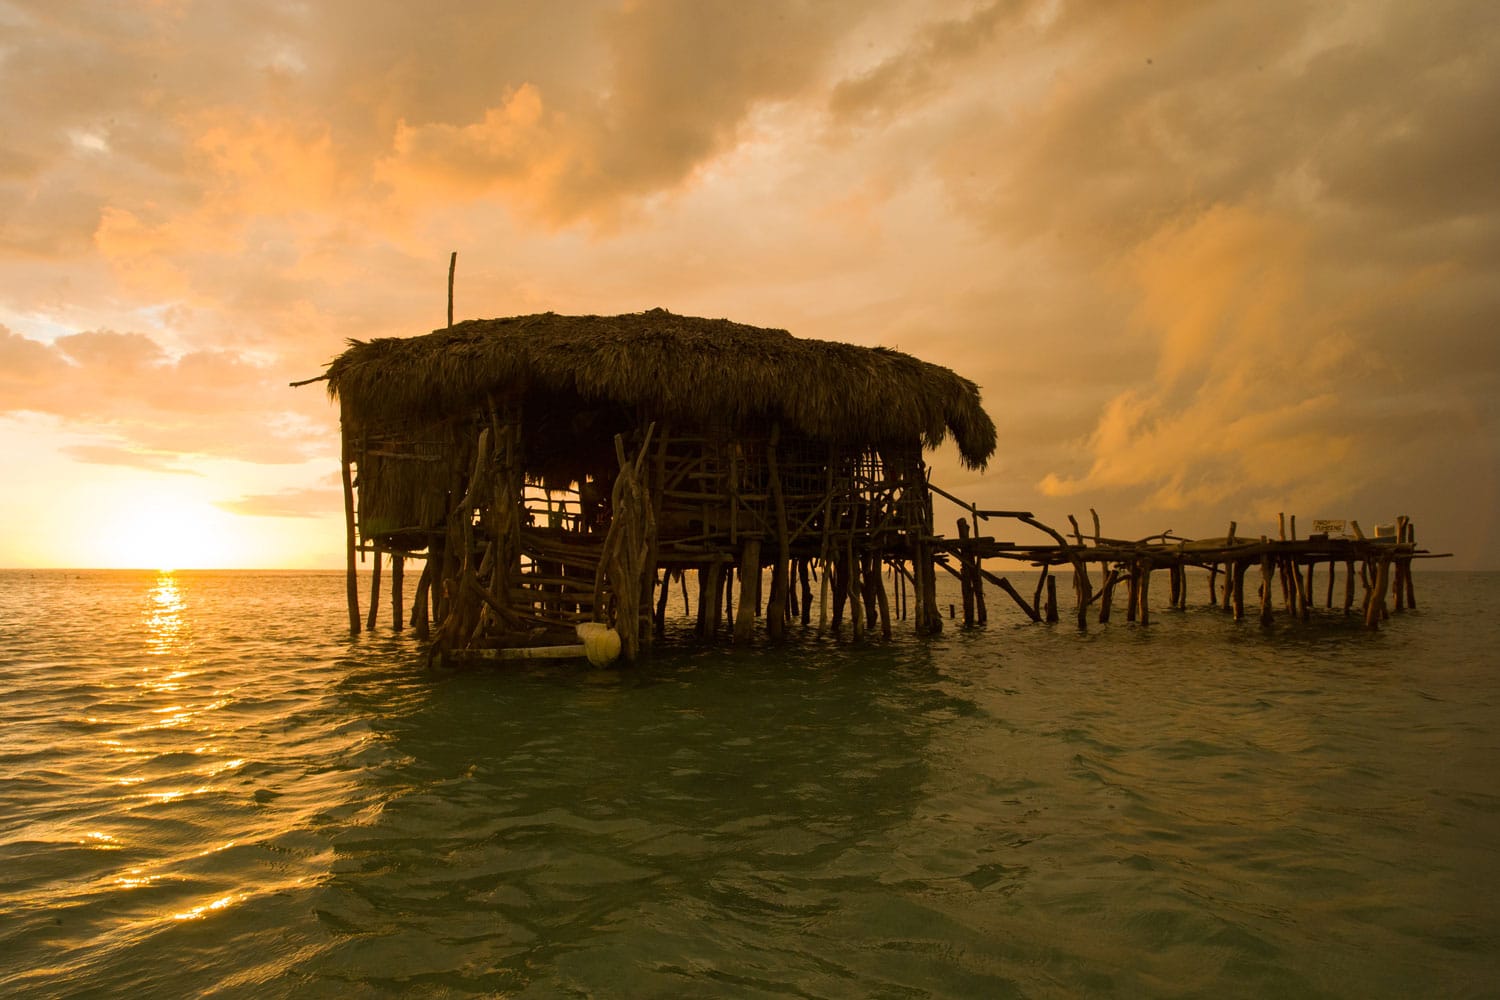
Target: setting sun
[[160, 530]]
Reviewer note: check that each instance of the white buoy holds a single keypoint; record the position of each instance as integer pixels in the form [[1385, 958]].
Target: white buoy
[[601, 644]]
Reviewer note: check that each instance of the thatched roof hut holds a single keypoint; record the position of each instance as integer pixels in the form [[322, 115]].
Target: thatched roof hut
[[696, 372], [500, 450]]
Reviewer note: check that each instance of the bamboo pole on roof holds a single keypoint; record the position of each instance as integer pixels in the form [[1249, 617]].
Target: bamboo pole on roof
[[452, 266]]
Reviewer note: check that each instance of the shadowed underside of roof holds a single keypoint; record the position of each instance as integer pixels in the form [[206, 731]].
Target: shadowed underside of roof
[[700, 372]]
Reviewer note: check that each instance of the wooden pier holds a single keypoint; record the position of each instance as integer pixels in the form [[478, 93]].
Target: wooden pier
[[1381, 566]]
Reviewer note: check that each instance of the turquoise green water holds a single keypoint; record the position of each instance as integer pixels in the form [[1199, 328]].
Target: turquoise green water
[[207, 788]]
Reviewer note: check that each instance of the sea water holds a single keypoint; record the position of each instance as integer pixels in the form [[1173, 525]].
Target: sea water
[[208, 788]]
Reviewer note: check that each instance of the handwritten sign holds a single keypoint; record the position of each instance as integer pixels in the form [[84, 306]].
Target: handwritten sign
[[1328, 527]]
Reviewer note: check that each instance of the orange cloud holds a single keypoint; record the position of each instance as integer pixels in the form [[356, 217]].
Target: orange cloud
[[1251, 375], [156, 410]]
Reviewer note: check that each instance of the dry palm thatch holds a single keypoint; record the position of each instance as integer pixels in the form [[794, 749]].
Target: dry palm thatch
[[700, 372]]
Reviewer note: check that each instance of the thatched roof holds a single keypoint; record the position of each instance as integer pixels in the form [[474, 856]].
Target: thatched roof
[[702, 372]]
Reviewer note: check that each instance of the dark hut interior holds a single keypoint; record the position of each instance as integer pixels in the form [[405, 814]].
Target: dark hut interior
[[555, 470]]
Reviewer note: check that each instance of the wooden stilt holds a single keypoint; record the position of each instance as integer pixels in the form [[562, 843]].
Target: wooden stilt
[[1133, 593], [374, 612], [351, 585], [710, 589], [1107, 595], [1083, 590], [1051, 600], [420, 622], [1238, 587], [1348, 586], [1041, 586], [882, 602], [966, 577], [980, 609], [824, 583], [1143, 592], [1267, 575], [398, 572], [744, 622], [853, 586], [1376, 610], [776, 606], [659, 624]]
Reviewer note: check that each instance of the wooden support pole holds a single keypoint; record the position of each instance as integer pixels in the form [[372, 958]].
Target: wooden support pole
[[1143, 592], [1133, 592], [840, 572], [1348, 586], [420, 622], [1051, 600], [710, 610], [351, 585], [1288, 589], [398, 572], [1305, 592], [744, 622], [883, 603], [1213, 585], [966, 577], [374, 590], [807, 594], [776, 607], [1175, 572], [856, 609], [1238, 587], [1083, 590], [929, 591], [1376, 610], [825, 574], [1107, 595], [660, 622], [1267, 575], [1411, 541]]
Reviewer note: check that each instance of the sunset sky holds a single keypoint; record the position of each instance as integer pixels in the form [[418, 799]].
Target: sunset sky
[[1206, 260]]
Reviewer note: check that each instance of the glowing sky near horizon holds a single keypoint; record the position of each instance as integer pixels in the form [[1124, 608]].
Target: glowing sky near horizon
[[1207, 261]]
